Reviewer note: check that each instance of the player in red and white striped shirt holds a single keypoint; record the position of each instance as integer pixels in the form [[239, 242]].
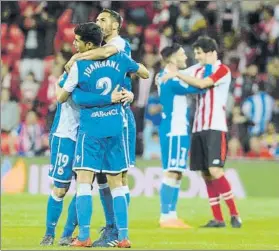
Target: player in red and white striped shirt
[[209, 139]]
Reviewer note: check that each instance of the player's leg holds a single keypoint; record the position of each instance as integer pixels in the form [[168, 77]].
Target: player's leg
[[198, 162], [109, 233], [183, 144], [130, 134], [71, 223], [167, 194], [61, 173], [174, 152], [216, 161], [214, 202], [166, 190], [118, 163], [89, 154], [54, 210], [84, 206], [126, 186], [175, 196], [106, 198], [120, 205]]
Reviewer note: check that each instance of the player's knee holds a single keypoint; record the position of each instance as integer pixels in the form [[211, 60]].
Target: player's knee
[[179, 175], [101, 178], [85, 176], [216, 172], [60, 192], [115, 181], [173, 175], [125, 179], [206, 175]]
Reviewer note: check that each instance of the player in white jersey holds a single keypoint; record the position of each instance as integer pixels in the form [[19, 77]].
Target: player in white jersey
[[174, 134], [110, 23], [209, 140], [62, 141]]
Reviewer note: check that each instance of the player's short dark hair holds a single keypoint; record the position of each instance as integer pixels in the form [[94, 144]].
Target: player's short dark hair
[[206, 43], [115, 15], [90, 32], [169, 50]]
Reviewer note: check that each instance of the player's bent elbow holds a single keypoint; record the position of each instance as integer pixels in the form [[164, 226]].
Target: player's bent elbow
[[60, 99], [108, 51], [144, 74]]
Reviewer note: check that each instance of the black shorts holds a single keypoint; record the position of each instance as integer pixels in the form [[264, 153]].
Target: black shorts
[[208, 149]]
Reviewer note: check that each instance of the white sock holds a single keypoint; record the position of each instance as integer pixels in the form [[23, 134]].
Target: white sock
[[173, 214], [164, 217]]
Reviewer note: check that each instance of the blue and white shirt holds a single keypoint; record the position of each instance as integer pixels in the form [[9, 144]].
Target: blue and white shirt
[[100, 77], [175, 110], [66, 119]]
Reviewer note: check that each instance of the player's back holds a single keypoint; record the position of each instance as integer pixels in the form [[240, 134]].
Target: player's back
[[102, 77], [66, 119]]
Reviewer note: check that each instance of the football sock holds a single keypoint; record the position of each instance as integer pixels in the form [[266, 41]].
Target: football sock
[[107, 203], [54, 209], [214, 201], [84, 210], [175, 199], [223, 187], [166, 195], [71, 222], [127, 194], [121, 212]]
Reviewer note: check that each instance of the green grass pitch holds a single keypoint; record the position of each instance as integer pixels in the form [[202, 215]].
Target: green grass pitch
[[23, 220]]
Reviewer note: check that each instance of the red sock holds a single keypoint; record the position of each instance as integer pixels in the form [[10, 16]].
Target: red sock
[[223, 187], [214, 201]]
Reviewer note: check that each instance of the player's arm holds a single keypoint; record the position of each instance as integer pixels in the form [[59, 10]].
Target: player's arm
[[94, 54], [71, 82], [196, 82], [213, 80], [133, 67], [142, 71], [181, 88], [88, 99], [98, 53]]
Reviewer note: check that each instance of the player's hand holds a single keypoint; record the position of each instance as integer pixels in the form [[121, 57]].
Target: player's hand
[[127, 97], [168, 76], [70, 63], [116, 95]]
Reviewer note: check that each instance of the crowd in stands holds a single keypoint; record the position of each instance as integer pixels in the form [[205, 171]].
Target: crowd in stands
[[36, 39]]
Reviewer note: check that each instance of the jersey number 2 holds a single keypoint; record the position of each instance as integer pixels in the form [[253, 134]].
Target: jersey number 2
[[104, 83]]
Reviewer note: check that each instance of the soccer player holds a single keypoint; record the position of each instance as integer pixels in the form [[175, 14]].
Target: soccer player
[[62, 139], [174, 133], [209, 140], [100, 146], [62, 146], [110, 23]]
